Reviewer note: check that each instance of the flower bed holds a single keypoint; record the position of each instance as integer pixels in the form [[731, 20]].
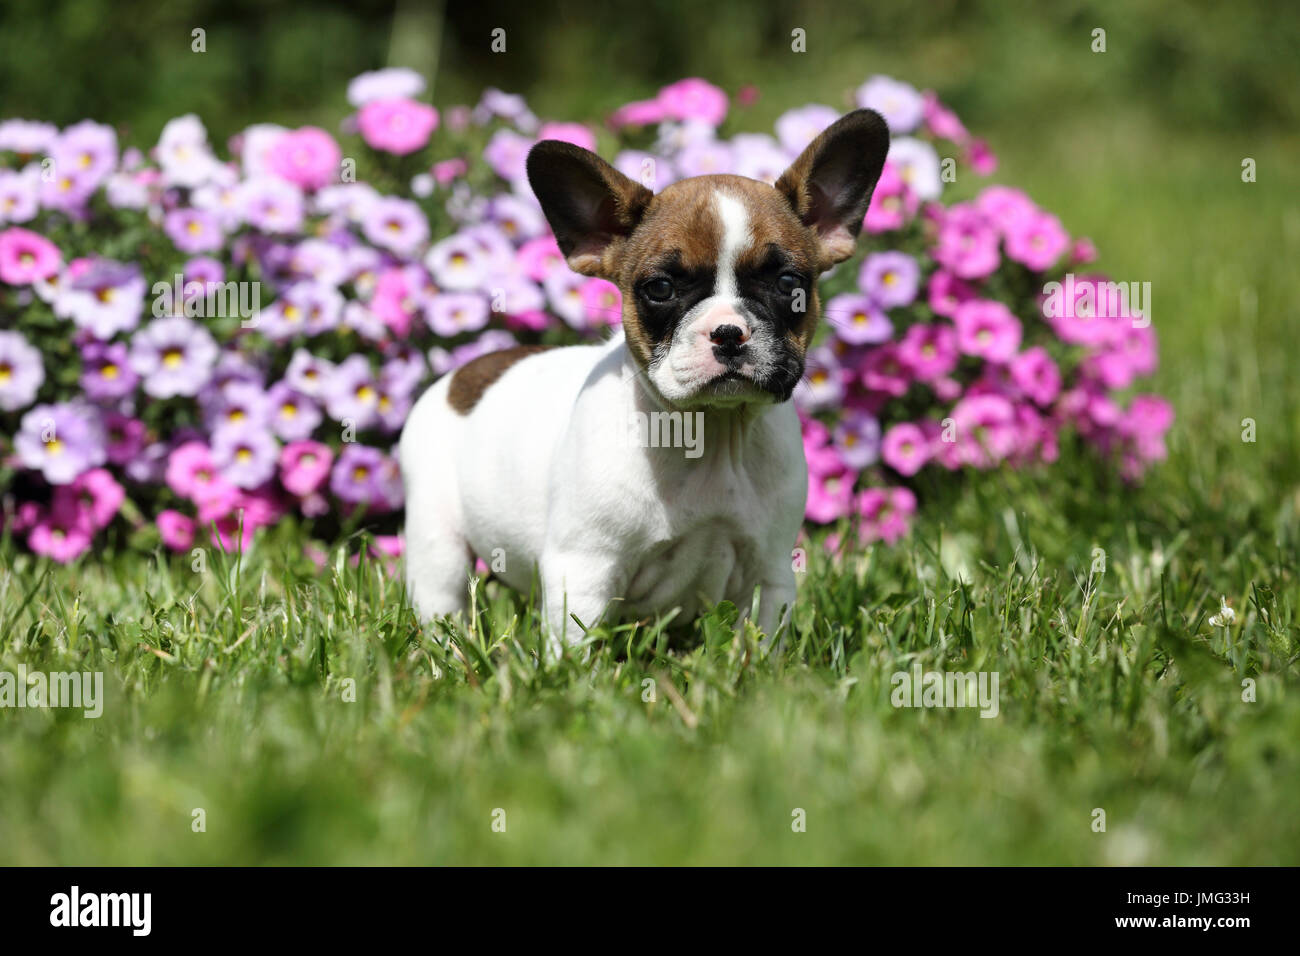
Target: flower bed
[[194, 347]]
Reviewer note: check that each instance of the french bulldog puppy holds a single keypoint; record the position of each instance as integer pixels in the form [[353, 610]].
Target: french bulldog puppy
[[662, 469]]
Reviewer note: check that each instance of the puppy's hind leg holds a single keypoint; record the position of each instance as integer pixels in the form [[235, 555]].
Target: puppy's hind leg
[[437, 564], [438, 559]]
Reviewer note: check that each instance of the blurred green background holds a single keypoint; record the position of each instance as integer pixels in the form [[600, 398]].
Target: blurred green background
[[1019, 67]]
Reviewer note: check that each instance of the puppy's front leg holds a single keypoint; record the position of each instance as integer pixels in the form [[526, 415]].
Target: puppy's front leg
[[577, 584], [775, 602]]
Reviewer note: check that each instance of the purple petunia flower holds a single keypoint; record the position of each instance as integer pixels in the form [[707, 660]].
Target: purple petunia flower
[[21, 372], [308, 374], [19, 195], [86, 149], [193, 230], [352, 394], [517, 217], [293, 416], [890, 278], [106, 373], [822, 385], [27, 137], [245, 454], [357, 474], [796, 128], [857, 438], [107, 298], [174, 356], [271, 205], [236, 403], [458, 263], [306, 308], [123, 438], [61, 441], [450, 313], [857, 320], [900, 104], [506, 152], [397, 225], [706, 159]]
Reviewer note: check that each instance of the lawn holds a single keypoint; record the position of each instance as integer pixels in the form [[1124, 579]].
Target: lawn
[[312, 720]]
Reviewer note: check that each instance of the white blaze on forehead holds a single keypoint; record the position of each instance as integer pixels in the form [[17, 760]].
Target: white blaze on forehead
[[736, 237]]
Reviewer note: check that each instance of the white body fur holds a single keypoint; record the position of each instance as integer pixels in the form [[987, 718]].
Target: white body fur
[[542, 474]]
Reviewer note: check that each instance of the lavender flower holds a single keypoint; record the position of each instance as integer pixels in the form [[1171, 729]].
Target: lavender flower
[[21, 372], [106, 374], [60, 441], [174, 356], [245, 454], [105, 299]]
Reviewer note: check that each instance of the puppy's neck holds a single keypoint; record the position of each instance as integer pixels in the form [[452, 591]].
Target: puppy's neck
[[724, 422]]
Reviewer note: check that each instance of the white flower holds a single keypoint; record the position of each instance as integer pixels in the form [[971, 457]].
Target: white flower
[[1225, 616], [918, 165], [393, 83]]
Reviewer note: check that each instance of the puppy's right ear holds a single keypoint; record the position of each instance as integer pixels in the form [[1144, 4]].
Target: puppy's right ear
[[591, 206]]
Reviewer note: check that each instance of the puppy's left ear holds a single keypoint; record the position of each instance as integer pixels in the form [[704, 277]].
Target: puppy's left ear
[[830, 184]]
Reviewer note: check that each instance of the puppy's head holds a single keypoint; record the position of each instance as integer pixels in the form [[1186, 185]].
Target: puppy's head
[[718, 273]]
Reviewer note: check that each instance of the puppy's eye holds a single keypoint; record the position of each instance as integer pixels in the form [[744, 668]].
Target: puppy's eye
[[787, 282], [658, 290]]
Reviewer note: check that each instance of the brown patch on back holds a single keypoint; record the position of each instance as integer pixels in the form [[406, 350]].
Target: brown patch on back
[[473, 379]]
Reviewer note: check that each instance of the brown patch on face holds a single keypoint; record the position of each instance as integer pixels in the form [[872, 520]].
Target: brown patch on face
[[681, 226], [473, 379], [775, 227]]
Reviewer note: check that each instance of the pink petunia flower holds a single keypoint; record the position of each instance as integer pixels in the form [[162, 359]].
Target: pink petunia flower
[[1037, 242], [968, 243], [893, 202], [830, 497], [399, 126], [905, 448], [175, 529], [929, 351], [1035, 374], [693, 98], [26, 256], [304, 466], [307, 157], [987, 329], [884, 514]]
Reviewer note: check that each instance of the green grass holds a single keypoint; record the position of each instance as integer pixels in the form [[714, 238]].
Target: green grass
[[226, 688]]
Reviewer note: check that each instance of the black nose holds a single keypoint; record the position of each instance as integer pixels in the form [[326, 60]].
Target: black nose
[[727, 340]]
